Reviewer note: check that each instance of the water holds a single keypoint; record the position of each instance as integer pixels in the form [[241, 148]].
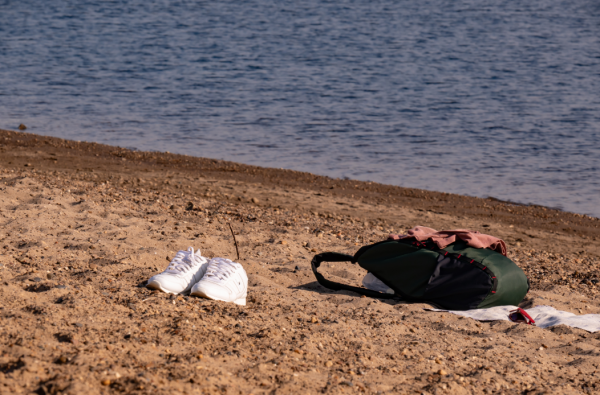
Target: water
[[482, 98]]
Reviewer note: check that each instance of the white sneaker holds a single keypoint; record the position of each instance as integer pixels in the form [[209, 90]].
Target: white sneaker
[[185, 270], [225, 281]]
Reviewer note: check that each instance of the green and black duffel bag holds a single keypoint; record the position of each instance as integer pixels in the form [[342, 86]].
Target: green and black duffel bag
[[457, 277]]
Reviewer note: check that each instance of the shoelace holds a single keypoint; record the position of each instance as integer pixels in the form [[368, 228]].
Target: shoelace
[[184, 261], [221, 268]]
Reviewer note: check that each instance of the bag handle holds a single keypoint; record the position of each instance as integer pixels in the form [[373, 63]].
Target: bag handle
[[337, 257]]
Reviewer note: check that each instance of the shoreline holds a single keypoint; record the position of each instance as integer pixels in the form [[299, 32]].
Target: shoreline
[[84, 225], [365, 200]]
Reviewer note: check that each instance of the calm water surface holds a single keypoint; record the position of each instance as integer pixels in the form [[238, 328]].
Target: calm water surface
[[483, 98]]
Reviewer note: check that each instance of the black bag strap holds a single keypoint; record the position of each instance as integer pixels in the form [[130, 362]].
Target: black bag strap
[[336, 257]]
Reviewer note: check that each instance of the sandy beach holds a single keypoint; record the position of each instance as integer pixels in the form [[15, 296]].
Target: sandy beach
[[84, 225]]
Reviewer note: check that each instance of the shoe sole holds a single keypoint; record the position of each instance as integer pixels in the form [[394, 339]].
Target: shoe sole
[[240, 302], [156, 285]]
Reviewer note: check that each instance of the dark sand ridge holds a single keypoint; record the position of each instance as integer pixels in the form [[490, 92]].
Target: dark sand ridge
[[83, 225]]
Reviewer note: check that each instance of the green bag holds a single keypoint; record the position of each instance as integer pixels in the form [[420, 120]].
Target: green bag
[[457, 277]]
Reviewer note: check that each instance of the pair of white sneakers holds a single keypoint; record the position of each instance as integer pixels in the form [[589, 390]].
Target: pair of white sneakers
[[217, 278]]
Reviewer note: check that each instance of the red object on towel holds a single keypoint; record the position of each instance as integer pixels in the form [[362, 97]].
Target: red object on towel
[[520, 315], [444, 238]]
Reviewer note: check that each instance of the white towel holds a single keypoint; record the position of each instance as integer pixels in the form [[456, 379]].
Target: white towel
[[544, 316]]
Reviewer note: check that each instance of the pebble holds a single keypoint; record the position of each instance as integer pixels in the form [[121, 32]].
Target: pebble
[[442, 372], [22, 127], [329, 364], [49, 276], [105, 382], [190, 206], [255, 200], [93, 266]]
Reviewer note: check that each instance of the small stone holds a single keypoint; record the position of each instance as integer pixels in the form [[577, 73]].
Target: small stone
[[314, 320], [442, 372], [255, 200], [77, 324], [27, 165], [189, 206], [284, 242], [49, 276], [297, 267], [36, 279], [313, 250], [105, 382], [329, 364], [22, 127], [62, 359], [93, 266]]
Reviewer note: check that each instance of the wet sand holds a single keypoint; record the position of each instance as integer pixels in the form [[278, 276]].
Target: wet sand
[[84, 225]]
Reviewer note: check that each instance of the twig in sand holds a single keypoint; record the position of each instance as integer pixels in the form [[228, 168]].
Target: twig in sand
[[234, 240]]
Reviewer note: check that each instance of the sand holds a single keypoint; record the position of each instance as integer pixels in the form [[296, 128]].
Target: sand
[[84, 225]]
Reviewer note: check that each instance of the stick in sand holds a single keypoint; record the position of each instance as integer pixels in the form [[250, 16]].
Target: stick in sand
[[234, 240]]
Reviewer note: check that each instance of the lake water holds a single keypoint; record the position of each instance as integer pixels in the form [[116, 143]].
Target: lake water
[[483, 98]]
